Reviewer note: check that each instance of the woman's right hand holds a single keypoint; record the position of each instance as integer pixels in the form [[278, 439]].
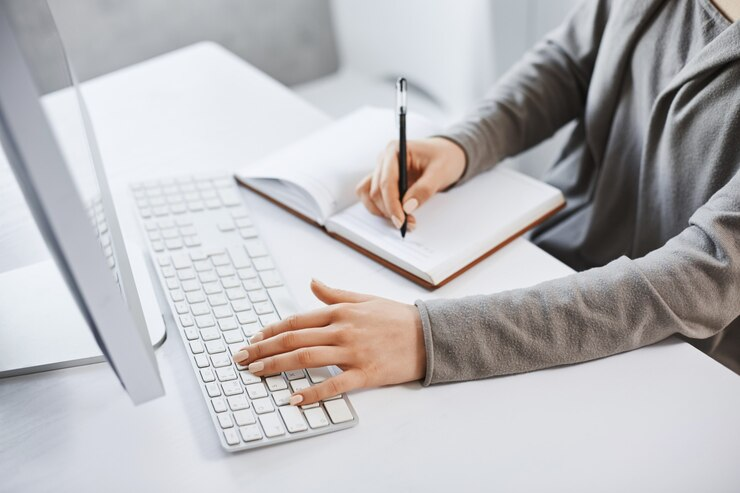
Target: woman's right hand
[[433, 165]]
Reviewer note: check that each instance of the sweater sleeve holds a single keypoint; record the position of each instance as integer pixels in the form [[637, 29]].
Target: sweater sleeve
[[690, 286], [540, 94]]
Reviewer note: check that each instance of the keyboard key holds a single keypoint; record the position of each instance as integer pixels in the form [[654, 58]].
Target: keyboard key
[[239, 257], [196, 297], [168, 271], [230, 282], [186, 321], [226, 374], [212, 287], [190, 285], [316, 417], [209, 277], [262, 406], [272, 425], [282, 397], [270, 278], [299, 384], [202, 265], [248, 378], [233, 337], [255, 248], [185, 274], [247, 273], [222, 311], [205, 321], [318, 375], [172, 284], [232, 388], [220, 259], [196, 205], [231, 436], [248, 233], [200, 309], [196, 347], [209, 334], [227, 324], [244, 417], [238, 402], [207, 375], [235, 293], [294, 374], [252, 284], [217, 300], [225, 225], [173, 244], [177, 295], [242, 222], [181, 261], [191, 333], [263, 307], [213, 389], [251, 329], [201, 361], [221, 359], [257, 296], [276, 383], [182, 308], [245, 318], [338, 411], [229, 197], [219, 404], [293, 419], [225, 271], [256, 390], [225, 421], [250, 433], [215, 347]]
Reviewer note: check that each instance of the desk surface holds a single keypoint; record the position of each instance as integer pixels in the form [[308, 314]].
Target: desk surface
[[663, 418]]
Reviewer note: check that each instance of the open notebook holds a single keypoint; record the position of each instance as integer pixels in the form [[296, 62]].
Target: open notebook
[[315, 178]]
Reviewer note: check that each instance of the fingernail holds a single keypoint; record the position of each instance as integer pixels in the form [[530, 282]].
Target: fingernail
[[411, 227], [396, 222], [257, 337], [317, 282], [256, 366], [295, 399], [410, 206], [241, 356]]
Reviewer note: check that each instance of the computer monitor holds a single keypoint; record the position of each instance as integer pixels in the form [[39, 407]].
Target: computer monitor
[[69, 210]]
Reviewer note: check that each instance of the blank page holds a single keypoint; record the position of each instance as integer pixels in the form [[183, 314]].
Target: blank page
[[453, 228]]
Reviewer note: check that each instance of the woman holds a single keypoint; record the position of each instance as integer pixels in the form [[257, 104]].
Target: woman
[[651, 174]]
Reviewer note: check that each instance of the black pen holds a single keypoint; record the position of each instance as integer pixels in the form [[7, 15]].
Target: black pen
[[402, 175]]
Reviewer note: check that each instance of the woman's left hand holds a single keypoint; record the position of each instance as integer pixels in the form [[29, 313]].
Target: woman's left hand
[[374, 341]]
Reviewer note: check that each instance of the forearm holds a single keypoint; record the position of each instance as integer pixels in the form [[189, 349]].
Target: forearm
[[689, 286], [539, 95]]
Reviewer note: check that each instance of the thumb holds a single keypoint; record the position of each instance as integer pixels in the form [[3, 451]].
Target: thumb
[[331, 296], [422, 189]]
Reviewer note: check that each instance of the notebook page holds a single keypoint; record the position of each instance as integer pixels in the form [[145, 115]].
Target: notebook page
[[453, 228], [329, 163]]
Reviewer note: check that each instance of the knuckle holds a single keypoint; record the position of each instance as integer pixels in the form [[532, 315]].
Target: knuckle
[[291, 322], [332, 387], [288, 340], [256, 351], [305, 357]]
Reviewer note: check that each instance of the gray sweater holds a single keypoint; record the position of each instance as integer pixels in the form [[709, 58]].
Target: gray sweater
[[651, 174]]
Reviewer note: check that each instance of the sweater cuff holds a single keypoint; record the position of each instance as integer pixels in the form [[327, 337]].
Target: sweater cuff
[[426, 327]]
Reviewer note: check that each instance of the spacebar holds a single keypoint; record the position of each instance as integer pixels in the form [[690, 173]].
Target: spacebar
[[283, 301]]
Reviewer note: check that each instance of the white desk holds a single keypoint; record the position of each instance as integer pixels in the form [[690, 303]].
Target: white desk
[[663, 418]]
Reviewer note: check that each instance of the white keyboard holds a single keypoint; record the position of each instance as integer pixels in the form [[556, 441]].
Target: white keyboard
[[222, 286]]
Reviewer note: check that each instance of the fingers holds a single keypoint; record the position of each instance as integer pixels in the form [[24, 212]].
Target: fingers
[[315, 318], [331, 296], [344, 382], [283, 343], [309, 357], [389, 193], [418, 193], [363, 191]]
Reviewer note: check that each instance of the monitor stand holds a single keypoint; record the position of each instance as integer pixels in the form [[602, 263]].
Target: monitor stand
[[41, 327]]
